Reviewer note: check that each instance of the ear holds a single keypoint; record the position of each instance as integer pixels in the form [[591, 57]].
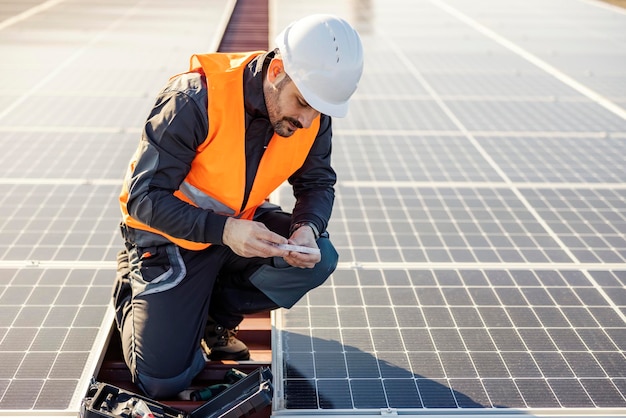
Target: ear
[[274, 70]]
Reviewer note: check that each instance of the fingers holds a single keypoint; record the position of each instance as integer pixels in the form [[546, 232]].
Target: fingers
[[301, 260], [264, 248], [304, 237], [252, 239]]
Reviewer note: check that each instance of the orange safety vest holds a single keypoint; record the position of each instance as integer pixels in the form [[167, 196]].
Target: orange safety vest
[[217, 176]]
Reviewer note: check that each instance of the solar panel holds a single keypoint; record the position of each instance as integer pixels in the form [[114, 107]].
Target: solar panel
[[589, 159], [79, 80], [479, 220], [450, 335], [52, 321]]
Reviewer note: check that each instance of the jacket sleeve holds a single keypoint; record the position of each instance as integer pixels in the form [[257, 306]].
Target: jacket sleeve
[[175, 128], [313, 184]]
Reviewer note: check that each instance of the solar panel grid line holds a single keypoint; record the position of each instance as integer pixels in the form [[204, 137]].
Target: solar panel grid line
[[319, 367], [378, 150], [508, 133], [52, 214], [527, 160], [355, 381], [44, 205], [474, 185], [388, 221], [63, 362], [465, 368], [530, 160], [434, 208], [28, 13], [492, 212], [494, 164], [377, 360], [377, 353], [517, 329], [536, 116], [550, 337], [57, 264], [70, 129], [481, 373], [412, 154], [601, 100], [514, 85], [474, 98], [614, 239], [436, 224], [79, 157], [372, 338], [605, 295], [127, 94], [481, 150], [540, 220], [564, 206], [76, 55], [60, 181], [47, 394]]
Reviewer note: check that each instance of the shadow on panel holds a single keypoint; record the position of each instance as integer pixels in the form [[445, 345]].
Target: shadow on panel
[[325, 374]]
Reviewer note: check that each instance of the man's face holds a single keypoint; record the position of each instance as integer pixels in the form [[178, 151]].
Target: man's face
[[287, 109]]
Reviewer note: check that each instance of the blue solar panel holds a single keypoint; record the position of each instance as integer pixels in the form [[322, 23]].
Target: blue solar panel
[[479, 219], [79, 79]]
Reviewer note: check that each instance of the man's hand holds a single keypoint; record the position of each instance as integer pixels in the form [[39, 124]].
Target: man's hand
[[252, 239], [303, 236]]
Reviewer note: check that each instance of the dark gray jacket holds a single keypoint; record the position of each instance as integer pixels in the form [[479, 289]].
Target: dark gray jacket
[[177, 125]]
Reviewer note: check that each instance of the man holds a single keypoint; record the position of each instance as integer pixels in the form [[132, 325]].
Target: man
[[203, 246]]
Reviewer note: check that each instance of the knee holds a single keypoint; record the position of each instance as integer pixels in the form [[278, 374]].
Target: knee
[[285, 285], [327, 264], [167, 387]]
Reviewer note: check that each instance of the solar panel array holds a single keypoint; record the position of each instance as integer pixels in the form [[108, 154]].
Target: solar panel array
[[79, 78], [480, 217]]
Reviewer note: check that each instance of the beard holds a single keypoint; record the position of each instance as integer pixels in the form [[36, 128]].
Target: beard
[[285, 127]]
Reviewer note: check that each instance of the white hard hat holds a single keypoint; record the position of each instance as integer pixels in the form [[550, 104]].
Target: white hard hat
[[323, 56]]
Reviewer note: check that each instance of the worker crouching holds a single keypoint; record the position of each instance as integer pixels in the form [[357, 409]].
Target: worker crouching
[[203, 246]]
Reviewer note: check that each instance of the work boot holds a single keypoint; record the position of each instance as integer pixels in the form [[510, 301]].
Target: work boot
[[220, 343]]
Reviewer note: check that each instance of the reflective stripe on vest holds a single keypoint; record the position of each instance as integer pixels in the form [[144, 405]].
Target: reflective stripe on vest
[[217, 178]]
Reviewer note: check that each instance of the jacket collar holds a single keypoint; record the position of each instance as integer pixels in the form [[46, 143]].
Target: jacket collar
[[253, 76]]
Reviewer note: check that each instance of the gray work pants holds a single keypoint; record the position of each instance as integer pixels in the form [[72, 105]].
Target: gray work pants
[[163, 294]]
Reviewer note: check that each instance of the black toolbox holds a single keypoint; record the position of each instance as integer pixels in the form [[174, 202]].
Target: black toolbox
[[244, 397]]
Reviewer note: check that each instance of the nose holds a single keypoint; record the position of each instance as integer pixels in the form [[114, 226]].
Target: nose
[[307, 116]]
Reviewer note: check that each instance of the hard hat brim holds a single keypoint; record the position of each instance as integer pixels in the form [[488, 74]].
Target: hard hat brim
[[335, 110]]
